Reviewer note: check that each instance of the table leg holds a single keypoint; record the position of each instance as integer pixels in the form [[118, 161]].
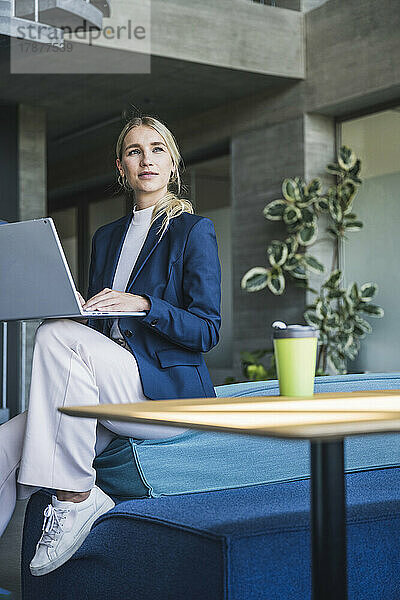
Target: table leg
[[328, 521]]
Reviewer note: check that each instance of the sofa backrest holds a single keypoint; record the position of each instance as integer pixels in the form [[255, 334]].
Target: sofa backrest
[[335, 383]]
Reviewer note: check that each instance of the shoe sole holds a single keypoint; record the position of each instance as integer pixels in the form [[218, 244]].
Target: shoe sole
[[37, 571]]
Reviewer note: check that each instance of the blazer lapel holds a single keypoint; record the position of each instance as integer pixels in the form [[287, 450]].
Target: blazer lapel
[[114, 250], [146, 251]]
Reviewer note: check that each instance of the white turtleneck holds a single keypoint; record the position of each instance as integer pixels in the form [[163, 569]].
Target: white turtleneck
[[134, 240]]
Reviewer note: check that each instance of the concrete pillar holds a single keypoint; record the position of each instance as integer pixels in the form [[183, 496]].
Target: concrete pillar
[[261, 159], [22, 197], [319, 150]]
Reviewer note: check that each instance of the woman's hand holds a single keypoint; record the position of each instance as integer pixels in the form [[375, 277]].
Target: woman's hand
[[111, 300], [82, 301]]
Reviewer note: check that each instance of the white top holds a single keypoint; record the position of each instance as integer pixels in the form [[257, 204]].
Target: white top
[[134, 240], [132, 245]]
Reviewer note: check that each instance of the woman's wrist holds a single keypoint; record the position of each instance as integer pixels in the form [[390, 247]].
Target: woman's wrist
[[146, 303]]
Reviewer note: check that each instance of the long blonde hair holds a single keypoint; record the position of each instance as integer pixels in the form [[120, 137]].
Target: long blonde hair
[[170, 205]]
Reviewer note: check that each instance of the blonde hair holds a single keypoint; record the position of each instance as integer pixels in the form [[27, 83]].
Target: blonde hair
[[170, 205]]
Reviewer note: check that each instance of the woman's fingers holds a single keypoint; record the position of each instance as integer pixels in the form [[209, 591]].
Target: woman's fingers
[[81, 299], [99, 297]]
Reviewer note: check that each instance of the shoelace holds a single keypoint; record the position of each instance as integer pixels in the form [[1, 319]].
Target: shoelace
[[52, 524]]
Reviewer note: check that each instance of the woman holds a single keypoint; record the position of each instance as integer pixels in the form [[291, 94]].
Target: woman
[[172, 272]]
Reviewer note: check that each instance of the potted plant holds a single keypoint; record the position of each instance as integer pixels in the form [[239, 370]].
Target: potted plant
[[339, 312]]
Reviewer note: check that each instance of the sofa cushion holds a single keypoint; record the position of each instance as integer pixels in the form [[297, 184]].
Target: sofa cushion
[[196, 461], [231, 544]]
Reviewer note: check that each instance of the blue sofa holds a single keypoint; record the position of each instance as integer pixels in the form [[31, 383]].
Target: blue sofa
[[247, 542]]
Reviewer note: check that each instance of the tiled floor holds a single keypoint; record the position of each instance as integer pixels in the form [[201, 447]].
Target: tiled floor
[[10, 552]]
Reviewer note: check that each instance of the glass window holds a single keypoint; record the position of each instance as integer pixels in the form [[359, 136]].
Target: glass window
[[372, 254]]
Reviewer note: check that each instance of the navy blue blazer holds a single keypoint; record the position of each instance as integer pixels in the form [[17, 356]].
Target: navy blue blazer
[[180, 274]]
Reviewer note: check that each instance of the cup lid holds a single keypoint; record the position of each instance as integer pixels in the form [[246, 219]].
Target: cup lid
[[293, 331]]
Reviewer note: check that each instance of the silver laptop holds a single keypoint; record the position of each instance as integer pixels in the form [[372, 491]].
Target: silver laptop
[[35, 280]]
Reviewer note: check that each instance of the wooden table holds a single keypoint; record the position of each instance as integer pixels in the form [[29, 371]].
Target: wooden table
[[324, 419]]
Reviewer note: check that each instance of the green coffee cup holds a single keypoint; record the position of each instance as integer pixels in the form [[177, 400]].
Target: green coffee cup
[[295, 348]]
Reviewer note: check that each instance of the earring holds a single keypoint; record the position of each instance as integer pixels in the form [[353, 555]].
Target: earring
[[122, 180]]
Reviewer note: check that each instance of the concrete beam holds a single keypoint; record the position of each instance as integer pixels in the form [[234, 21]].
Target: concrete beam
[[353, 51], [230, 33], [62, 13]]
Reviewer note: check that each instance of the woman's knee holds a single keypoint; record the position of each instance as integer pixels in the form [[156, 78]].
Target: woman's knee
[[51, 328]]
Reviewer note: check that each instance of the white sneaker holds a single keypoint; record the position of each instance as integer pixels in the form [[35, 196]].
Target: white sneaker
[[65, 527]]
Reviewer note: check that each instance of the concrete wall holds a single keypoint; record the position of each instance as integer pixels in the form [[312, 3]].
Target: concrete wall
[[230, 33], [352, 55], [352, 51]]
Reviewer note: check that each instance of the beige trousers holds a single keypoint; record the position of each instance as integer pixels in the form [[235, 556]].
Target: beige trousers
[[72, 364]]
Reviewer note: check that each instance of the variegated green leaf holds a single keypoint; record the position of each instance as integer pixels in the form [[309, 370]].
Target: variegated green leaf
[[294, 227], [302, 190], [291, 263], [276, 282], [334, 231], [368, 291], [321, 309], [299, 272], [334, 279], [346, 158], [335, 293], [359, 331], [290, 190], [277, 253], [292, 245], [274, 210], [308, 215], [354, 225], [349, 341], [312, 319], [307, 234], [352, 347], [313, 264], [363, 324], [348, 325], [348, 304], [342, 339], [314, 187], [291, 214], [334, 168], [254, 280], [353, 292], [332, 322], [372, 310], [322, 204], [337, 363], [335, 210], [355, 171], [346, 192]]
